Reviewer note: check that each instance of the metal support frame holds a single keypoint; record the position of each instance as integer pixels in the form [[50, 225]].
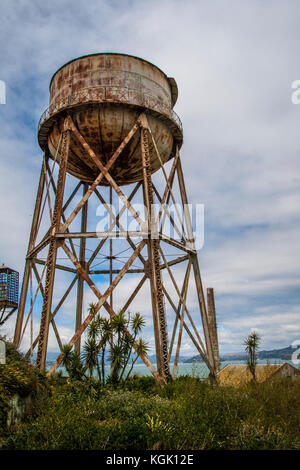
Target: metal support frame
[[212, 324], [79, 305], [5, 313], [150, 252]]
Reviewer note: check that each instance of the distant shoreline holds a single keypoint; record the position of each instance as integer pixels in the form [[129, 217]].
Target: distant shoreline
[[196, 369]]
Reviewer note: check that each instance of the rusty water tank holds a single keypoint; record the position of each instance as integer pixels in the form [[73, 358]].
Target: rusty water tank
[[105, 93]]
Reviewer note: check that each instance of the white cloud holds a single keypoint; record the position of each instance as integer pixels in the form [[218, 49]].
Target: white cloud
[[234, 66]]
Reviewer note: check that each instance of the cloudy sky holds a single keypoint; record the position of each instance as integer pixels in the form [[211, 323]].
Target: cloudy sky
[[234, 63]]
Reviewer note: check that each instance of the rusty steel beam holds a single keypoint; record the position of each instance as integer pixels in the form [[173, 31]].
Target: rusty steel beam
[[63, 209], [104, 170], [180, 297], [106, 174], [116, 221], [176, 243], [114, 234], [43, 243], [133, 295], [56, 309], [102, 301], [42, 292], [196, 344], [51, 261], [138, 271], [158, 304], [178, 310], [79, 303], [32, 238], [184, 295], [166, 178], [166, 195], [167, 213], [196, 270], [32, 300], [149, 236], [212, 324], [57, 266]]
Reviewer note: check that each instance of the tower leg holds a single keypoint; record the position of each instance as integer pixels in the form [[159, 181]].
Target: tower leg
[[196, 270], [53, 245], [152, 228], [212, 323], [157, 296], [79, 304], [32, 238]]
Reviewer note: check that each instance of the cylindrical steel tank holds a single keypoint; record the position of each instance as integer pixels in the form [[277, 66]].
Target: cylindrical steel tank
[[105, 93]]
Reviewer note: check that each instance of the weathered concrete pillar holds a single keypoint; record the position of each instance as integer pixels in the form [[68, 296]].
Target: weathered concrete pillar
[[212, 325], [2, 352]]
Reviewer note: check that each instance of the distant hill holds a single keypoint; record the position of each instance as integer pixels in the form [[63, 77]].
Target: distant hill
[[52, 356], [284, 353]]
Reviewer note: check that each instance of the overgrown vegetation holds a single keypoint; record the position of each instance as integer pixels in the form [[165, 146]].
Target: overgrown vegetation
[[138, 414], [251, 347], [119, 336], [17, 376]]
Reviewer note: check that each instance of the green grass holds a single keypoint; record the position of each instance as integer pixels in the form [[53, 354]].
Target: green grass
[[186, 414], [17, 376]]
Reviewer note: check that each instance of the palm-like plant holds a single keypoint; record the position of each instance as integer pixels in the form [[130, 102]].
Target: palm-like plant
[[141, 348], [106, 331], [117, 358], [67, 357], [93, 329], [72, 362], [90, 355], [77, 369], [119, 323], [115, 332], [251, 345], [137, 323]]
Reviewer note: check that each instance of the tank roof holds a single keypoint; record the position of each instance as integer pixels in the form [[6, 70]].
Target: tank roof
[[107, 53], [4, 267]]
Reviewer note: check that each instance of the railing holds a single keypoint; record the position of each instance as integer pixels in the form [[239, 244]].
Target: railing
[[145, 100]]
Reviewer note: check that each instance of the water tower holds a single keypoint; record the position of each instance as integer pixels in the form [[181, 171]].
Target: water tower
[[9, 292], [111, 126]]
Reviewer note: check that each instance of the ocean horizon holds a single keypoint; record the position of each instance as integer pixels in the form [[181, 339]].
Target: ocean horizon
[[197, 369]]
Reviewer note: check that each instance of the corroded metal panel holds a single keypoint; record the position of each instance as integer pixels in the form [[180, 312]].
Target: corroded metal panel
[[105, 93], [104, 128], [123, 73]]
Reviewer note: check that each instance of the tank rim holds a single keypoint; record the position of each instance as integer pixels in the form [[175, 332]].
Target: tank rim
[[46, 127], [45, 124], [107, 53]]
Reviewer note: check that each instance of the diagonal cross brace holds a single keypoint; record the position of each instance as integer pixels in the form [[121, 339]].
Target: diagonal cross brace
[[103, 302], [104, 172]]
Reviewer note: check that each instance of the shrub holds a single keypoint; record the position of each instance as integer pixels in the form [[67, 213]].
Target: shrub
[[186, 414], [16, 376]]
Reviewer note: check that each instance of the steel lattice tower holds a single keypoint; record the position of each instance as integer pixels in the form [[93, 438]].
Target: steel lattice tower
[[111, 125]]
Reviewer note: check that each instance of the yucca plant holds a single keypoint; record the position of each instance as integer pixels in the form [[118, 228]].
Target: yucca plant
[[119, 333], [72, 362], [90, 355], [136, 323], [141, 348], [251, 345]]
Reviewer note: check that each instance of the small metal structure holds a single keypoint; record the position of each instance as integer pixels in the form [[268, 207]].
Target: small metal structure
[[2, 352], [9, 292], [111, 125]]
